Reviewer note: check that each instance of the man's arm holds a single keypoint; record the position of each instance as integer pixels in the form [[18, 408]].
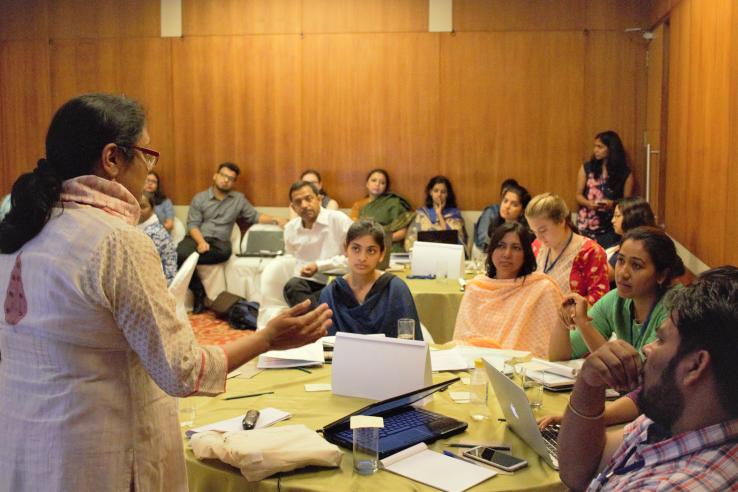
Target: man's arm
[[584, 447], [272, 219], [194, 221]]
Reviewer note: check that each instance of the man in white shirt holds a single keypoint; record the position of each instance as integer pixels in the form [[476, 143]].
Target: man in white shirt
[[316, 239]]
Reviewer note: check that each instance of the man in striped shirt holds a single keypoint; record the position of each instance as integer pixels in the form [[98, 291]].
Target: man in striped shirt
[[687, 438]]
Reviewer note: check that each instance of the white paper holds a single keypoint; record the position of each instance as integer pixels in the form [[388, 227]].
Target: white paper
[[435, 469], [539, 371], [449, 360], [377, 368], [307, 355], [267, 416], [318, 387], [460, 396], [496, 357]]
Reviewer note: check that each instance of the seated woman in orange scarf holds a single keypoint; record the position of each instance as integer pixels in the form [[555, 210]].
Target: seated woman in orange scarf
[[513, 306]]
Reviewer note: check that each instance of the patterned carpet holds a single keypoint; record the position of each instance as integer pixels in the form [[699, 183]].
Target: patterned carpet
[[210, 330]]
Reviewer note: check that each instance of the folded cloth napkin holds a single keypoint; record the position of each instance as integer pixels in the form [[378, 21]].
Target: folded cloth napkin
[[261, 453]]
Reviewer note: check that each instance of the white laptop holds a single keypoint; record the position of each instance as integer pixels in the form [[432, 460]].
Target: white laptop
[[520, 419]]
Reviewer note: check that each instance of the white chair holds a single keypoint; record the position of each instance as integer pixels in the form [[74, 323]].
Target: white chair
[[243, 275], [213, 277], [273, 278], [178, 231], [181, 280]]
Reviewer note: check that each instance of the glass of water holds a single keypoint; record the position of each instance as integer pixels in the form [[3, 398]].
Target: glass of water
[[406, 328], [187, 412]]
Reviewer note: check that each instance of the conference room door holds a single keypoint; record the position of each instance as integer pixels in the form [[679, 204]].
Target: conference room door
[[656, 118]]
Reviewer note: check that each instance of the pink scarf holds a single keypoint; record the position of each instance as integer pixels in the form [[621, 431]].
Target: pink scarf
[[104, 194]]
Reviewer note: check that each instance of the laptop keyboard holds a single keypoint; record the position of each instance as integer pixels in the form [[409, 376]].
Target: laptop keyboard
[[550, 434], [398, 423]]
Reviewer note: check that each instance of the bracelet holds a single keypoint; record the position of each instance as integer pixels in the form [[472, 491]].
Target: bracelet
[[585, 417]]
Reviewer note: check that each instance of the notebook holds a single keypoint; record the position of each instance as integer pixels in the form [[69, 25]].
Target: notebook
[[264, 244], [448, 236], [404, 425], [519, 417]]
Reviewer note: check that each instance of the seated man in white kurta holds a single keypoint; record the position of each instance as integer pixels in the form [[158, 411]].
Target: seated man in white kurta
[[315, 238]]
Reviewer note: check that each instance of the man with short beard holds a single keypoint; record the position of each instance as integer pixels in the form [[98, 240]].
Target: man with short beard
[[210, 220], [687, 437]]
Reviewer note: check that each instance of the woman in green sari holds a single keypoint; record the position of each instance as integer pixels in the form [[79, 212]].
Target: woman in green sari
[[389, 209]]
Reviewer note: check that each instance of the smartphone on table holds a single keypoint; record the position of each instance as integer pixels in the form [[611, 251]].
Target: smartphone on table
[[496, 458]]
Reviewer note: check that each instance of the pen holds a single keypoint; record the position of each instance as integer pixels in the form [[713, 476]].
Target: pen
[[459, 445], [236, 397], [303, 370]]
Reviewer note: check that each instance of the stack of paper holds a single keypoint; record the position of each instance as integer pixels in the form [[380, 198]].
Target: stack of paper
[[435, 469], [307, 355], [267, 417], [449, 360]]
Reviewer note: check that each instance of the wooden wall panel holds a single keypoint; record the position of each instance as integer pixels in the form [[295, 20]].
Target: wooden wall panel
[[104, 19], [140, 68], [236, 17], [371, 101], [616, 14], [702, 100], [511, 106], [361, 16], [615, 93], [237, 99], [731, 224], [25, 109], [23, 19], [519, 15]]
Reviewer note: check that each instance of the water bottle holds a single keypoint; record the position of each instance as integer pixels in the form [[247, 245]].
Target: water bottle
[[478, 392]]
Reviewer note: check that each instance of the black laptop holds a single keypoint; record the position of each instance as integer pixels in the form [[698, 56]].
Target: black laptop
[[264, 244], [448, 236], [404, 425]]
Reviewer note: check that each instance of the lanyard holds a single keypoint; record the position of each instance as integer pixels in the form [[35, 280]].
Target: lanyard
[[622, 469], [546, 267]]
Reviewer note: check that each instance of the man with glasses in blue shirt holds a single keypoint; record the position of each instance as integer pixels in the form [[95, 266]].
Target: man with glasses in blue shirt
[[210, 220]]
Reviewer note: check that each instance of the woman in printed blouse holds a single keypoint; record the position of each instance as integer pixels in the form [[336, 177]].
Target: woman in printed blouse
[[149, 223], [578, 264], [163, 207], [439, 213], [601, 181], [92, 347]]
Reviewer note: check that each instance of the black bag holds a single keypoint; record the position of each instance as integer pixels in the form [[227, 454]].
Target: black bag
[[240, 313], [243, 314]]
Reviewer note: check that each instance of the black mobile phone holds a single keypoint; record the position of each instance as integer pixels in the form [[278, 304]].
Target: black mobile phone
[[495, 458], [249, 420]]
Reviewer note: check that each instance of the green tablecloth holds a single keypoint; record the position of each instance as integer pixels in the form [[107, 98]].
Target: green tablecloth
[[317, 409], [437, 303]]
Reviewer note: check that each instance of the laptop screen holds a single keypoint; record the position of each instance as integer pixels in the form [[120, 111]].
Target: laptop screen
[[445, 237], [258, 241], [396, 402]]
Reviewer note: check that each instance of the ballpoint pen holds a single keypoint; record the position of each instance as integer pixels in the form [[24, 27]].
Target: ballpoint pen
[[250, 395]]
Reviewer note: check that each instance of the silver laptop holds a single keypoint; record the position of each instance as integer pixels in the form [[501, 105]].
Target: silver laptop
[[520, 419], [264, 244]]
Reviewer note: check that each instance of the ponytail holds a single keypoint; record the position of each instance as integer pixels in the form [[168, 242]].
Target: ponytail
[[78, 132]]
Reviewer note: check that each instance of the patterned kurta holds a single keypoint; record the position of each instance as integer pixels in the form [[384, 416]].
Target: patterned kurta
[[582, 268], [91, 355]]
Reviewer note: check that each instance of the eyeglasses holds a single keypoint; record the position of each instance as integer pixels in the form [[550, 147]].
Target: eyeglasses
[[230, 179], [150, 157]]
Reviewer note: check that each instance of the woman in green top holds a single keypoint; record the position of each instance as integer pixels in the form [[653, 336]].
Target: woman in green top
[[647, 263], [392, 211]]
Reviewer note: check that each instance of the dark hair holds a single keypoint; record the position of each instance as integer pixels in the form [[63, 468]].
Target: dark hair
[[451, 197], [636, 212], [230, 165], [158, 195], [382, 171], [524, 198], [78, 132], [617, 162], [526, 239], [662, 251], [149, 197], [321, 191], [366, 227], [706, 316], [297, 185], [506, 184]]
